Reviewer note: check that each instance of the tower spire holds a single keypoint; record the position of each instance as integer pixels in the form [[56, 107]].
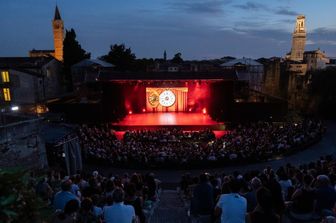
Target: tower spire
[[165, 55], [58, 30], [57, 14]]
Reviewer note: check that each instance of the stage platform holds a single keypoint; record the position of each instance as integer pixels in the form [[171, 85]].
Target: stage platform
[[184, 120]]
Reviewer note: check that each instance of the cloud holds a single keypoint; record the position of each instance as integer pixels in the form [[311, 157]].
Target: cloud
[[198, 6], [251, 6], [286, 11]]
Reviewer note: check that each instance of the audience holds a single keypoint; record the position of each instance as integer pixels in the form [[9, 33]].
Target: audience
[[259, 195], [170, 147], [303, 192]]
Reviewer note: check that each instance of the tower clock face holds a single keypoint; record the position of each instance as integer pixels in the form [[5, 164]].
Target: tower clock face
[[167, 98]]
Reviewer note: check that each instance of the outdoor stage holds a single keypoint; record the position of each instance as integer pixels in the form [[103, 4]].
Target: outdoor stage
[[184, 120]]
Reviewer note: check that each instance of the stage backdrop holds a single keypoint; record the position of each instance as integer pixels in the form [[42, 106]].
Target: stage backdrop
[[180, 102]]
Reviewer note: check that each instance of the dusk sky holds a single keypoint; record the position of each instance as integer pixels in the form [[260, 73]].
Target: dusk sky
[[199, 29]]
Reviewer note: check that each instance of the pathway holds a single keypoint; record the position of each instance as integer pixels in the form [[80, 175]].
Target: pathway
[[171, 209]]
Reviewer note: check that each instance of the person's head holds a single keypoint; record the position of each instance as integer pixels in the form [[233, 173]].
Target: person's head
[[118, 195], [264, 198], [234, 186], [204, 177], [130, 190], [71, 207], [323, 180], [256, 183], [86, 205], [307, 180], [66, 185]]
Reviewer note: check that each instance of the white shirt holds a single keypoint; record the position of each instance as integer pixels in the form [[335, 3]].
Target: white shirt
[[119, 213], [233, 208]]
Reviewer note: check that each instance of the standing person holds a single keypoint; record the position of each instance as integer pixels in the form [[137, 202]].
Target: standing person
[[232, 206], [264, 212], [202, 202], [119, 212]]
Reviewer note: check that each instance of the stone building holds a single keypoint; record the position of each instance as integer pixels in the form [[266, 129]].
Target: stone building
[[58, 31], [299, 39], [29, 81], [316, 60]]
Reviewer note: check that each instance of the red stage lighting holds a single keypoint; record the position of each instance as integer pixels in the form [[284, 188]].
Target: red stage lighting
[[130, 112], [189, 109], [143, 110], [204, 111]]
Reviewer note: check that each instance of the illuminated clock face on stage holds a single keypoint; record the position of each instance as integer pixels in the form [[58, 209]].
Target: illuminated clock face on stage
[[167, 98], [153, 99]]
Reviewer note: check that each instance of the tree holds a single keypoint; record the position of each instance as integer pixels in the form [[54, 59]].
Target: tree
[[322, 93], [18, 201], [72, 53], [177, 58], [121, 57]]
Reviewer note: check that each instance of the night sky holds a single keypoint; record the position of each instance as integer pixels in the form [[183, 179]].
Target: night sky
[[199, 29]]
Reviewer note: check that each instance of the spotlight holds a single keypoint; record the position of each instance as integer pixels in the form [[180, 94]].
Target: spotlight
[[189, 110], [204, 111], [143, 110], [130, 112]]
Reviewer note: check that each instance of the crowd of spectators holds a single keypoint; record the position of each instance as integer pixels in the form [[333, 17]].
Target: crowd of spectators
[[93, 198], [304, 193], [243, 143]]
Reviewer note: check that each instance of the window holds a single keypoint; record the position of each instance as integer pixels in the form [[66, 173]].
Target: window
[[5, 76], [7, 95]]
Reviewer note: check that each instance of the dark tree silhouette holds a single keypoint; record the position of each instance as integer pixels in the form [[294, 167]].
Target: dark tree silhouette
[[72, 54], [177, 58], [121, 57], [323, 92]]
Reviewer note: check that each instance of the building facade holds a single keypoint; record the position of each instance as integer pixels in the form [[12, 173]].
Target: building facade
[[316, 60], [29, 81]]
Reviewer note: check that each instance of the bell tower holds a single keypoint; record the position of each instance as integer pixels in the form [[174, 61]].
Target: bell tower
[[58, 30], [299, 39]]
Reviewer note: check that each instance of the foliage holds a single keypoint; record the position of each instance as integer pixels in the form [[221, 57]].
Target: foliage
[[72, 53], [121, 57], [18, 201], [177, 58]]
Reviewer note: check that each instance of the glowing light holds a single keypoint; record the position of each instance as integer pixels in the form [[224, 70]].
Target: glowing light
[[143, 110], [204, 111], [189, 110], [130, 112], [15, 108]]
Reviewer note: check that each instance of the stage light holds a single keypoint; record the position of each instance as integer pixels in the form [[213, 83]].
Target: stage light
[[143, 110], [189, 109], [130, 112], [204, 111]]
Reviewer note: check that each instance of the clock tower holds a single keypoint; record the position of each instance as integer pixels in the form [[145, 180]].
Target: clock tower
[[299, 39], [58, 30]]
